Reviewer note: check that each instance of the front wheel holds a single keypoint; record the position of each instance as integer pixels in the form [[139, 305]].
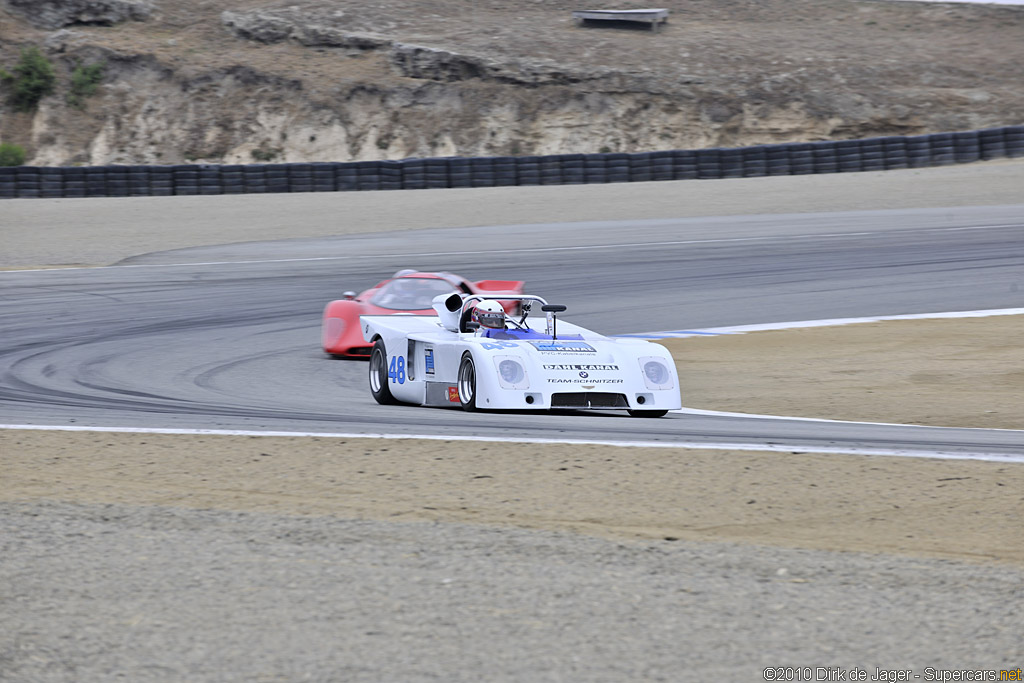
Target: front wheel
[[647, 413], [467, 383], [379, 375]]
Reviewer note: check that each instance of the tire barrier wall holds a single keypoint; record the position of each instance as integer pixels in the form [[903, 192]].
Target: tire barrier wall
[[833, 156]]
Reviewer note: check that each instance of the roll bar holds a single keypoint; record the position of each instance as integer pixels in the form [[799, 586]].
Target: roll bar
[[454, 309], [477, 298]]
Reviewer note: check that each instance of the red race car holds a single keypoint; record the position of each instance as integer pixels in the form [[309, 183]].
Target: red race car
[[407, 291]]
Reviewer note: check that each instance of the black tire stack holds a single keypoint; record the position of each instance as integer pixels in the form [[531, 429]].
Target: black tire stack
[[830, 156]]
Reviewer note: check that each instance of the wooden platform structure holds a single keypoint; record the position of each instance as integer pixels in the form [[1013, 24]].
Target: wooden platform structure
[[654, 17]]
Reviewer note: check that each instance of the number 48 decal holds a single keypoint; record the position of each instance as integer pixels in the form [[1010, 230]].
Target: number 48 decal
[[499, 345], [396, 371]]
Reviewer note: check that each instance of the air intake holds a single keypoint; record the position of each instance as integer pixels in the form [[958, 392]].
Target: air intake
[[586, 399]]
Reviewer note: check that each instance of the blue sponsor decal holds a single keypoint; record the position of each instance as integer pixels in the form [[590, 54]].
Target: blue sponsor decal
[[428, 361], [495, 345], [564, 346]]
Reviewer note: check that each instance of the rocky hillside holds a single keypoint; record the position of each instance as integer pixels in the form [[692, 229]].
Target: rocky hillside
[[233, 81]]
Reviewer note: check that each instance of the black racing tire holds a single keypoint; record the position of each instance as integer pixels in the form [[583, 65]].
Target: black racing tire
[[467, 383], [379, 375], [647, 413]]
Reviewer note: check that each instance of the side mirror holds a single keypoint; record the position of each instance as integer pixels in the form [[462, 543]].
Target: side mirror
[[552, 326]]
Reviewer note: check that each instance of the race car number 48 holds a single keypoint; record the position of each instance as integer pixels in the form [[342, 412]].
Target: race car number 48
[[396, 371]]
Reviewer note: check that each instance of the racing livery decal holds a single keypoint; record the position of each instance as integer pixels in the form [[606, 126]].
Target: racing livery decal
[[428, 361], [453, 394], [559, 380], [558, 345], [588, 368]]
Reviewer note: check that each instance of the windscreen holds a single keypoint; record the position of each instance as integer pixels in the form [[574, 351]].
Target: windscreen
[[410, 293]]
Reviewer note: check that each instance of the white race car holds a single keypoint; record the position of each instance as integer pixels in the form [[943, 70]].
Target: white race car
[[475, 356]]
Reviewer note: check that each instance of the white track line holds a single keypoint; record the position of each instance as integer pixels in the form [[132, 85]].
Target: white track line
[[756, 416], [986, 2], [800, 324], [692, 445]]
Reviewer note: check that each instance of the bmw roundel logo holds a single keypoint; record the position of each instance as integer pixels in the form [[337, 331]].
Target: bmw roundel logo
[[584, 374]]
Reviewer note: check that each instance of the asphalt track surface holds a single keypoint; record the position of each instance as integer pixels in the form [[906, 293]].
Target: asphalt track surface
[[227, 337]]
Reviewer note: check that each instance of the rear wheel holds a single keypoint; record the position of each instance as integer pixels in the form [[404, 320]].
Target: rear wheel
[[647, 413], [379, 375], [467, 383]]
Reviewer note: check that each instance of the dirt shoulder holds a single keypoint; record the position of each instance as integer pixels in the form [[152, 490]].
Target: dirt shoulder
[[966, 372], [955, 509]]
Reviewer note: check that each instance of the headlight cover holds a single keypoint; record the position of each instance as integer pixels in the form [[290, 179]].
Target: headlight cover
[[656, 373], [333, 328], [511, 373]]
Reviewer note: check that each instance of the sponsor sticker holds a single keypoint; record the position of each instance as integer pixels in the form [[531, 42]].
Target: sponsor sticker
[[453, 395], [558, 346], [428, 361], [583, 368], [578, 380]]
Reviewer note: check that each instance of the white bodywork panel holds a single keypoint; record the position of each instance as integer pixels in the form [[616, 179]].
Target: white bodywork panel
[[579, 369]]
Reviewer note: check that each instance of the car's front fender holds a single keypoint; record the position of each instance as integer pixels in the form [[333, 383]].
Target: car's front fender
[[339, 329]]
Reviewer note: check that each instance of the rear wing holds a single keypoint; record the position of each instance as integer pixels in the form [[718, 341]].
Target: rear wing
[[509, 286]]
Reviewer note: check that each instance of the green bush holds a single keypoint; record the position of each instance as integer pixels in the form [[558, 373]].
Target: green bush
[[32, 80], [11, 155], [265, 154], [84, 81]]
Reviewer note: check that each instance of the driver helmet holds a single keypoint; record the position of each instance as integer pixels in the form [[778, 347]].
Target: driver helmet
[[489, 314]]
